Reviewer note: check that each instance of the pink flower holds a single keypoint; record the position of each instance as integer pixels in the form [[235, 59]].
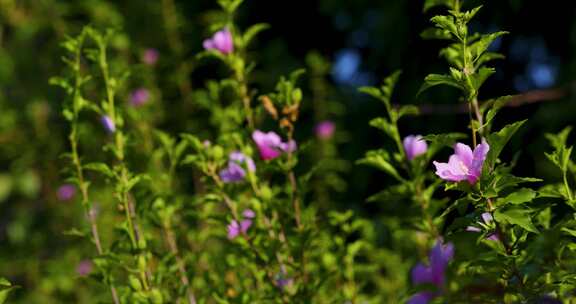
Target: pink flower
[[84, 268], [414, 145], [235, 228], [150, 56], [66, 192], [463, 164], [221, 41], [139, 97], [325, 129], [270, 145]]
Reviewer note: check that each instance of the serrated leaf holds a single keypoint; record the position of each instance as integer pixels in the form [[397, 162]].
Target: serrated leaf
[[380, 160], [497, 141], [435, 33], [428, 4], [481, 75], [521, 196], [433, 80], [487, 57], [252, 31], [516, 216], [5, 288], [479, 47], [446, 23], [495, 106], [100, 167], [408, 110], [384, 125]]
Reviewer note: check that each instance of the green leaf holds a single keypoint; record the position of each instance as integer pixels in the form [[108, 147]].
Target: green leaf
[[569, 231], [561, 155], [433, 80], [380, 159], [479, 47], [408, 110], [521, 196], [446, 23], [384, 125], [495, 106], [372, 91], [481, 75], [428, 4], [497, 141], [516, 216], [252, 31], [487, 57], [435, 33], [5, 288], [101, 168]]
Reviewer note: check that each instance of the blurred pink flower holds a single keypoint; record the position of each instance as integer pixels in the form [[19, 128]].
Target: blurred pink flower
[[270, 145], [325, 129], [139, 97], [463, 164], [84, 268], [150, 56], [221, 41], [236, 228], [66, 192], [414, 145], [440, 256]]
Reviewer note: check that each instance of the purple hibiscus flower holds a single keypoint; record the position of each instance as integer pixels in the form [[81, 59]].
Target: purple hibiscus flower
[[66, 192], [464, 164], [236, 169], [414, 145], [221, 41], [435, 273], [150, 56], [270, 145], [236, 228], [139, 97], [325, 129]]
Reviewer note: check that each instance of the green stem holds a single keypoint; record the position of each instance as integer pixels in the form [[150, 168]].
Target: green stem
[[567, 186], [82, 185]]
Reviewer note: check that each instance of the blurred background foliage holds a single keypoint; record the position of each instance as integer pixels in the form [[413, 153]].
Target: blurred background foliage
[[342, 44]]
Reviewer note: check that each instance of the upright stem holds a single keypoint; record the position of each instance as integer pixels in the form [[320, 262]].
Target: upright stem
[[123, 178], [73, 138], [245, 97]]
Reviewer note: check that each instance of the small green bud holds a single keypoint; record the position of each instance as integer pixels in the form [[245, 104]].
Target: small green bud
[[266, 193], [297, 95], [156, 296], [218, 152], [135, 283]]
